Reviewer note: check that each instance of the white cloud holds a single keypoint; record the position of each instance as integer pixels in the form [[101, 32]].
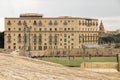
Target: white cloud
[[79, 8]]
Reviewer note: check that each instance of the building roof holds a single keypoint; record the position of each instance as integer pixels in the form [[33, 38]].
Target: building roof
[[37, 16], [31, 15]]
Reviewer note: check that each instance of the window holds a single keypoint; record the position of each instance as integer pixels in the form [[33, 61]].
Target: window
[[9, 29], [72, 43], [19, 35], [83, 23], [50, 29], [68, 28], [14, 43], [40, 29], [65, 29], [64, 46], [68, 36], [19, 23], [55, 23], [19, 47], [19, 29], [86, 23], [24, 23], [65, 35], [65, 43], [8, 47], [79, 22], [55, 43], [8, 23], [65, 40], [72, 47], [35, 23], [50, 23], [72, 34], [40, 40], [45, 43], [55, 29], [40, 47], [65, 22], [34, 47], [14, 47], [45, 47], [96, 23], [40, 23]]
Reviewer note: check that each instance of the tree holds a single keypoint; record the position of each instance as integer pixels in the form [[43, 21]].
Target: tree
[[110, 39], [2, 40]]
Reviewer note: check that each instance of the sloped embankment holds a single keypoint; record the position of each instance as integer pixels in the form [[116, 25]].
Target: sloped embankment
[[20, 68]]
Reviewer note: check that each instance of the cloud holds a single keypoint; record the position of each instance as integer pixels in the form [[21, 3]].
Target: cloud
[[79, 8]]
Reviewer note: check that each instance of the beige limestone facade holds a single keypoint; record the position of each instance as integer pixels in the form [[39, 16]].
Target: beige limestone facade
[[38, 33]]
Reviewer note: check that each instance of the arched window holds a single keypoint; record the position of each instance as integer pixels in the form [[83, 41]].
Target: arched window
[[40, 23], [83, 23], [24, 23], [8, 23], [79, 22], [50, 23], [65, 22], [9, 29], [55, 23], [35, 23], [96, 23], [19, 23]]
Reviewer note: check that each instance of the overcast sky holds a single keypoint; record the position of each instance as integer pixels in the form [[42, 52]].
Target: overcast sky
[[106, 10]]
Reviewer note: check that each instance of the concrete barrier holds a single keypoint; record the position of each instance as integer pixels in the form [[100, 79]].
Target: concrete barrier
[[97, 66]]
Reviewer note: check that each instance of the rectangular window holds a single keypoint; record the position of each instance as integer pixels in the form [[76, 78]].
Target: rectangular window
[[40, 29], [55, 29], [65, 40], [45, 47], [50, 29], [8, 47], [34, 47], [40, 47], [65, 29]]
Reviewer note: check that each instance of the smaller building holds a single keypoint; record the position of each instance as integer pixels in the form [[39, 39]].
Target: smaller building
[[101, 30]]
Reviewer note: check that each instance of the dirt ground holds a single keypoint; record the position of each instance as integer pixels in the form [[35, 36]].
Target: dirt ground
[[13, 67], [113, 74]]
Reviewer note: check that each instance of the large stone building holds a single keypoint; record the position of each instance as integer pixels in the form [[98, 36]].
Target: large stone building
[[35, 32]]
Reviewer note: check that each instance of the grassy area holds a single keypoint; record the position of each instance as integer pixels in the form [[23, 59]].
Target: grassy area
[[75, 62]]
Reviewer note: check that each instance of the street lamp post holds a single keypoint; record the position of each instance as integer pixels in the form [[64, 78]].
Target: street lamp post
[[83, 48], [29, 47]]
